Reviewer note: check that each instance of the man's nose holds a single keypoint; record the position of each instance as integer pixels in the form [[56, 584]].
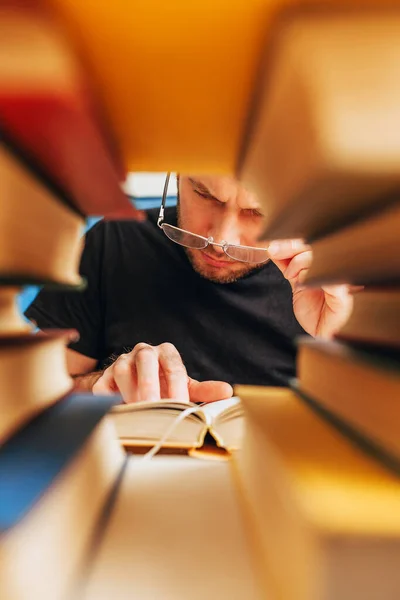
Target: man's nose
[[227, 230]]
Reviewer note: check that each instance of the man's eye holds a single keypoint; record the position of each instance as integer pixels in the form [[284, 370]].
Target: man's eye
[[202, 194], [252, 212], [207, 196]]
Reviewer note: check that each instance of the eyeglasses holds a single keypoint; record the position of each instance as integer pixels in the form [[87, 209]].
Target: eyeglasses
[[247, 254]]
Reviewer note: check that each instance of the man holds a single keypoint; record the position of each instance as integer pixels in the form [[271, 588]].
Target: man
[[226, 312]]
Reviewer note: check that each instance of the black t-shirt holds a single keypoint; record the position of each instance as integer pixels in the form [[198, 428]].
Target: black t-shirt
[[142, 288]]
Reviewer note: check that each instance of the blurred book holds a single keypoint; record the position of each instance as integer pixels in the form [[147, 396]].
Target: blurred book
[[57, 474], [41, 237], [176, 532], [322, 150], [363, 253], [325, 516], [374, 319], [359, 387], [11, 320], [32, 377], [48, 111]]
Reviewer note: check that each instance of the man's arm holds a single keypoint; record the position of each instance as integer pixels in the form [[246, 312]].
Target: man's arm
[[81, 368]]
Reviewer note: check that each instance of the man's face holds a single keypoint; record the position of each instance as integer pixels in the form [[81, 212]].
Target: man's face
[[220, 207]]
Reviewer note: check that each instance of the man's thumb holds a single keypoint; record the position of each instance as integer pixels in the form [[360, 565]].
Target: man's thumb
[[209, 391]]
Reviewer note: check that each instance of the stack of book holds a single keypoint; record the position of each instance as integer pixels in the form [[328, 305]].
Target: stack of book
[[47, 112], [320, 465], [319, 470], [67, 488], [59, 460]]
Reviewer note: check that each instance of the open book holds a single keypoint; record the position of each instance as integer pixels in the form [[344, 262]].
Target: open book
[[144, 423]]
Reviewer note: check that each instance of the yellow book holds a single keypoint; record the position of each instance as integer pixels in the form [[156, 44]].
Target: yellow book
[[176, 533], [327, 517]]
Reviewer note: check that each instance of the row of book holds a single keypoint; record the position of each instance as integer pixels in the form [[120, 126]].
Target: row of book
[[309, 508], [320, 464], [59, 459]]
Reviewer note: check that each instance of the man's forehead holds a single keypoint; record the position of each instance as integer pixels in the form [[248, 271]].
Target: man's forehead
[[225, 188]]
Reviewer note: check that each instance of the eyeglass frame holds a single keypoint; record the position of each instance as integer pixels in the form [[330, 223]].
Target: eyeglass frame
[[210, 240]]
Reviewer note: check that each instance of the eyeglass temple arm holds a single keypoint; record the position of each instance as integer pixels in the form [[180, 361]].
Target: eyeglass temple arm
[[163, 201]]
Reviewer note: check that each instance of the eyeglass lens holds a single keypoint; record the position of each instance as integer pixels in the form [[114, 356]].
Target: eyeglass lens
[[247, 254], [184, 238], [197, 242]]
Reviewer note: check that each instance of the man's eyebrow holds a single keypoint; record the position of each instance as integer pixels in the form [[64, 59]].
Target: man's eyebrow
[[202, 188]]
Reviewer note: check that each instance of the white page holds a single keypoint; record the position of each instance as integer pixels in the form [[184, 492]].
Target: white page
[[213, 409]]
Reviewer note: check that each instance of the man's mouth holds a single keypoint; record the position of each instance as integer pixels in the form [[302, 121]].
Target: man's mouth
[[214, 261]]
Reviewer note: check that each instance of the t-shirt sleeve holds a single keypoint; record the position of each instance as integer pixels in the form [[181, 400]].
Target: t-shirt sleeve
[[81, 310]]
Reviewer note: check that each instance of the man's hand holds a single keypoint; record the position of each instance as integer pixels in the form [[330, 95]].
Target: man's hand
[[320, 311], [150, 373]]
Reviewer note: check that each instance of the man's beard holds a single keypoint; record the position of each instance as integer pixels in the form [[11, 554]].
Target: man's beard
[[229, 277], [240, 271]]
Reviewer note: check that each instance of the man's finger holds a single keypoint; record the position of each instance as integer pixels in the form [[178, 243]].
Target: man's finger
[[105, 385], [295, 269], [299, 263], [147, 373], [124, 377], [174, 371], [209, 391]]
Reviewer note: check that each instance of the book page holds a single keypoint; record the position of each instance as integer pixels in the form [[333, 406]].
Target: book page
[[171, 405], [214, 409], [226, 422], [144, 423]]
